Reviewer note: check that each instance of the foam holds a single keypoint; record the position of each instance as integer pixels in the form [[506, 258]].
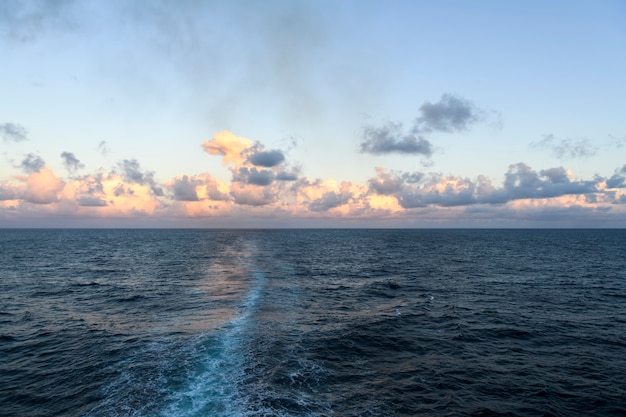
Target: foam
[[213, 388]]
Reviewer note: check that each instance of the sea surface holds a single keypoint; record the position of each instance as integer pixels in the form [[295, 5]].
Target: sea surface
[[312, 323]]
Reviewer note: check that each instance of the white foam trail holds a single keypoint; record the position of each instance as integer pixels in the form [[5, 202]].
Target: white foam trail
[[213, 389]]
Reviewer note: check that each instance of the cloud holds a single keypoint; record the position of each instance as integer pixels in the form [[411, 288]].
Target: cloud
[[242, 157], [198, 188], [229, 146], [391, 139], [617, 180], [244, 194], [32, 163], [103, 148], [185, 189], [26, 20], [287, 176], [520, 182], [253, 176], [330, 200], [131, 172], [450, 114], [617, 142], [566, 148], [43, 186], [88, 201], [448, 192], [70, 162], [523, 182], [388, 183], [280, 191], [9, 192], [12, 132], [267, 159]]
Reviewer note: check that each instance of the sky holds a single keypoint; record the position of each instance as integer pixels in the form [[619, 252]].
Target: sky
[[312, 113]]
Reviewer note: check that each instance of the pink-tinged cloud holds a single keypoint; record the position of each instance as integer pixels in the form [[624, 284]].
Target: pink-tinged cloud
[[232, 148], [42, 187], [264, 186]]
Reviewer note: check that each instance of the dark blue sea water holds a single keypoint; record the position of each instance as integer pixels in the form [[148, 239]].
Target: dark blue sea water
[[312, 323]]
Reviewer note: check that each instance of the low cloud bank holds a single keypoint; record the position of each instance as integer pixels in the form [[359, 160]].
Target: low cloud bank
[[264, 185]]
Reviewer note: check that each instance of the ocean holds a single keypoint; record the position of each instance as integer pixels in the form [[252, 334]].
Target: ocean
[[312, 323]]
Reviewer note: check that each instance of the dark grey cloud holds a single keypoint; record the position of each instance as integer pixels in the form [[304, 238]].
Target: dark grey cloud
[[617, 180], [32, 163], [254, 176], [391, 139], [266, 159], [520, 182], [185, 189], [132, 172], [450, 114], [13, 132], [566, 148], [91, 201], [286, 176], [70, 162], [330, 200]]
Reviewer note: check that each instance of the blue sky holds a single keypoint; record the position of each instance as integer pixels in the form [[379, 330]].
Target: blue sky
[[313, 113]]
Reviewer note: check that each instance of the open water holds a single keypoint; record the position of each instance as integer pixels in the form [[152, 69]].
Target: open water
[[312, 323]]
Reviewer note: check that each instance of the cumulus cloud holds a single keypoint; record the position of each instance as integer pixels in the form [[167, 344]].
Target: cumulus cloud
[[286, 176], [132, 172], [197, 188], [391, 139], [70, 162], [387, 183], [32, 163], [618, 179], [9, 192], [450, 114], [263, 192], [520, 182], [185, 189], [254, 176], [266, 159], [243, 158], [566, 148], [43, 187], [12, 132], [229, 146], [330, 200], [244, 194]]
